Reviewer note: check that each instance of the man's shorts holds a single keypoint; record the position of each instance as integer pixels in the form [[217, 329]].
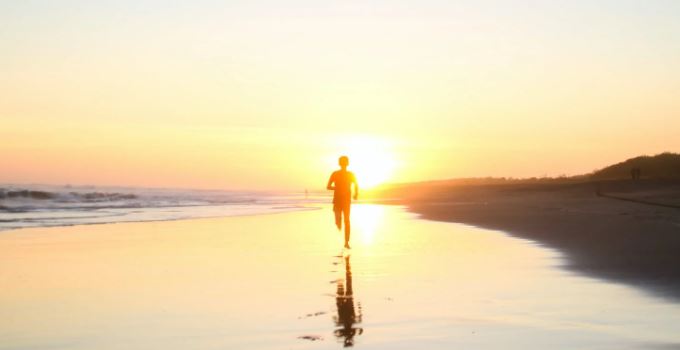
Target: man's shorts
[[341, 206]]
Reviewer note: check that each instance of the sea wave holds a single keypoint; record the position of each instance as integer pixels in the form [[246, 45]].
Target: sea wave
[[64, 196], [34, 206]]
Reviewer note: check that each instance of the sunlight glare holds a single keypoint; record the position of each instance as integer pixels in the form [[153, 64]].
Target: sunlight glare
[[371, 159]]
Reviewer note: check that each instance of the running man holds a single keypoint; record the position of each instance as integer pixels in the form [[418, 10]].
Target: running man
[[341, 183]]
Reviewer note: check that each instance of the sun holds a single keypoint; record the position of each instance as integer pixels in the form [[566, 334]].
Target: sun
[[371, 159]]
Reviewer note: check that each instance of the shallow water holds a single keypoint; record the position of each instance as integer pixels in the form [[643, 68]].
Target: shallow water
[[282, 282], [47, 206]]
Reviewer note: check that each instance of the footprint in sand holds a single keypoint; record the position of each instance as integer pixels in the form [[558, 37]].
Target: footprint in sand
[[318, 313], [311, 337]]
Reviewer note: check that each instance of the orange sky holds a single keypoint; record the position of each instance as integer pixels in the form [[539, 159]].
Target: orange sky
[[258, 95]]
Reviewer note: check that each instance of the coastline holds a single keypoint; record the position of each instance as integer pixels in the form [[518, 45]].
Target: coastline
[[604, 237]]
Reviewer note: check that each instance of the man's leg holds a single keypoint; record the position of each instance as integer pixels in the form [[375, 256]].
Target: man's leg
[[347, 226], [338, 216]]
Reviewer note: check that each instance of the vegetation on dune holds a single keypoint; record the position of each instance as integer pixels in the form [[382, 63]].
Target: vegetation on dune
[[660, 166]]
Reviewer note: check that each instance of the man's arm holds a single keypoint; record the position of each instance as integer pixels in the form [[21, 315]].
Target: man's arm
[[356, 187], [329, 185]]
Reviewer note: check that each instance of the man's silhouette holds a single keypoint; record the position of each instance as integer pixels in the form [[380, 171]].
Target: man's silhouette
[[341, 183]]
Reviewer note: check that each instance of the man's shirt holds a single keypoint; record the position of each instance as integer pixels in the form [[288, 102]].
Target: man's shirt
[[343, 185]]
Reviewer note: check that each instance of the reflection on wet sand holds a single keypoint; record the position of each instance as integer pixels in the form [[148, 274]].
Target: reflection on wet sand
[[347, 316], [271, 281]]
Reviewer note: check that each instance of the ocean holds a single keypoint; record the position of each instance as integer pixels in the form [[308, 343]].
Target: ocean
[[23, 206]]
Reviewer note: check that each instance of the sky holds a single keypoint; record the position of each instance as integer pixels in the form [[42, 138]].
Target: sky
[[267, 94]]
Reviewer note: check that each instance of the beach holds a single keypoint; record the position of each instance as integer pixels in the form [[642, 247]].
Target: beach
[[619, 230], [282, 281]]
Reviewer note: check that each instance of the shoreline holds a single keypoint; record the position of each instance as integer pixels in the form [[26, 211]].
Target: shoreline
[[617, 240], [301, 207], [600, 229]]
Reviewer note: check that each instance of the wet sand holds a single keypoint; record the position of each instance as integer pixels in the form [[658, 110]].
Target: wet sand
[[620, 230], [282, 282]]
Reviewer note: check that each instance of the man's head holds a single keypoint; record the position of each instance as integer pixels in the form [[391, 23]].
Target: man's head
[[343, 162]]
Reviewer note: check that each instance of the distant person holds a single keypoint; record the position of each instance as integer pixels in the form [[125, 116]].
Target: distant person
[[635, 173], [341, 183]]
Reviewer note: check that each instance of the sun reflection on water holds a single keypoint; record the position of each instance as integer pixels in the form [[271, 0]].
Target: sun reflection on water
[[367, 219]]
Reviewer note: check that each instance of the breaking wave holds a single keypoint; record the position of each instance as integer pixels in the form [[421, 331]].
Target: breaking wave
[[65, 197], [33, 206]]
